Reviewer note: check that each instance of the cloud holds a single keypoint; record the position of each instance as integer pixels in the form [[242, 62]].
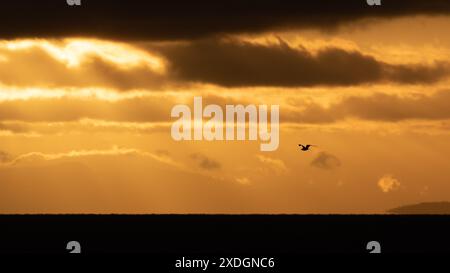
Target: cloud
[[205, 162], [88, 126], [36, 157], [276, 165], [235, 63], [388, 183], [15, 127], [78, 63], [435, 106], [144, 114], [394, 108], [97, 112], [177, 19], [326, 161], [73, 109], [45, 63], [243, 180]]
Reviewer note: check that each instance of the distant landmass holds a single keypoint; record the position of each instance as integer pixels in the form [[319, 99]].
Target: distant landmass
[[423, 208]]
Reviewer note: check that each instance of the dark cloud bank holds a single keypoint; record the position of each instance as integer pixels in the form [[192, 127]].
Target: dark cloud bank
[[235, 63], [179, 19], [228, 63]]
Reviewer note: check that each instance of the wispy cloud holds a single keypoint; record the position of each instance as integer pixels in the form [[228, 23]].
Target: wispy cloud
[[277, 165], [114, 151]]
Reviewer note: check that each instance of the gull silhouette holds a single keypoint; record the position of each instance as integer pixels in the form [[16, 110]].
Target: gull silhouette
[[305, 147]]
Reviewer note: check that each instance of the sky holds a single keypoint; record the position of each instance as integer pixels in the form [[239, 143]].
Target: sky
[[86, 95]]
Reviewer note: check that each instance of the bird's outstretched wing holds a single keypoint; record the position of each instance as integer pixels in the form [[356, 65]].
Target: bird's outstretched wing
[[307, 146]]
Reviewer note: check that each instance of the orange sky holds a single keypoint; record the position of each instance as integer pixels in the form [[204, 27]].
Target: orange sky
[[85, 123]]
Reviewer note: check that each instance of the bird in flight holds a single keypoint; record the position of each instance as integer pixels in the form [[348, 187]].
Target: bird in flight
[[305, 147]]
